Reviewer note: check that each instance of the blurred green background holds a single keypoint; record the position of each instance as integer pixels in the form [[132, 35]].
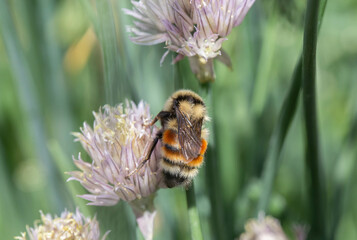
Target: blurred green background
[[61, 60]]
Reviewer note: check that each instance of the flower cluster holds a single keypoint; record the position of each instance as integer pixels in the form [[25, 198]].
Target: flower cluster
[[116, 144], [195, 28], [67, 226]]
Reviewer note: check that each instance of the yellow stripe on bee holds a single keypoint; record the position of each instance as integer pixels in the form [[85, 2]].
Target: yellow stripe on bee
[[180, 171], [173, 169], [188, 173]]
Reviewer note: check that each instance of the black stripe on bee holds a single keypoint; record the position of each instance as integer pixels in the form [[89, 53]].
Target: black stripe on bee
[[181, 165], [171, 148], [190, 99], [173, 180]]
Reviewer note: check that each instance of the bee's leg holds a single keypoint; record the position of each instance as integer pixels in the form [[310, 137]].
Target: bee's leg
[[148, 154], [160, 115]]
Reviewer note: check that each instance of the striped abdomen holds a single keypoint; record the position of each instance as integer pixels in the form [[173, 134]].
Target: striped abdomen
[[178, 170]]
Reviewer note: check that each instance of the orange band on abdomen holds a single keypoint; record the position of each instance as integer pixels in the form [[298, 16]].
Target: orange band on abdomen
[[203, 147], [170, 137], [198, 160]]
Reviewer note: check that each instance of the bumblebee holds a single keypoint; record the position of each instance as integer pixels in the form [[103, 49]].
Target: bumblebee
[[182, 136]]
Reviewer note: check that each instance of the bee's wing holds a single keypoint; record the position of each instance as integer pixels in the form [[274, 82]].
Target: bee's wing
[[189, 135]]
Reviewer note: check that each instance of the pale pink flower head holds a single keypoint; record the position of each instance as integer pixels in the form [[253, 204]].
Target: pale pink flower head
[[66, 226], [192, 28], [117, 144], [263, 228]]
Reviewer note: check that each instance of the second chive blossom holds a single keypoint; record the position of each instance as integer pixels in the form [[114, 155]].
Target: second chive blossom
[[195, 28]]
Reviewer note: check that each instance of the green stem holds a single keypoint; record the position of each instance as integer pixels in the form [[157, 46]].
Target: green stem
[[9, 203], [315, 178], [344, 176], [195, 225], [25, 84], [286, 116], [219, 229]]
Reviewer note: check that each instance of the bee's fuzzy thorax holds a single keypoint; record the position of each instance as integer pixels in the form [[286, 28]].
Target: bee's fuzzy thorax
[[181, 94], [198, 112]]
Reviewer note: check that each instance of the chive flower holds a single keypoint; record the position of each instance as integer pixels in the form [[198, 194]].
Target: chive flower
[[117, 144], [67, 226], [195, 28]]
